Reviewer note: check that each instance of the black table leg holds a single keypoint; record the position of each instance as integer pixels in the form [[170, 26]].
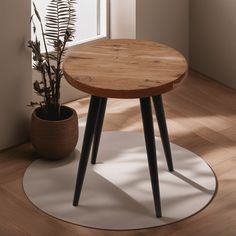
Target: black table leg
[[160, 114], [146, 110], [87, 142], [98, 128]]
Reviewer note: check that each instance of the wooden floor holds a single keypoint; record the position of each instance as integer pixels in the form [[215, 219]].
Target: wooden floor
[[201, 116]]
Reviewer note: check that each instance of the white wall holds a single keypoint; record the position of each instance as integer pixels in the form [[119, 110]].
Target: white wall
[[213, 39], [123, 19], [15, 67]]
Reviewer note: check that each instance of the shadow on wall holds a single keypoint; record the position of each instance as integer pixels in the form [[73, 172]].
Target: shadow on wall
[[212, 39], [15, 89]]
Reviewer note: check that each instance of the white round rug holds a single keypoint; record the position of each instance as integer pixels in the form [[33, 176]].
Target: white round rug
[[117, 193]]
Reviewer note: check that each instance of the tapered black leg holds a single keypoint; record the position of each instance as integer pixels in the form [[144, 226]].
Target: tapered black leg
[[98, 129], [161, 120], [87, 142], [151, 151]]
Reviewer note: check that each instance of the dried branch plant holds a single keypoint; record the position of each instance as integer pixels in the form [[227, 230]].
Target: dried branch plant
[[58, 31]]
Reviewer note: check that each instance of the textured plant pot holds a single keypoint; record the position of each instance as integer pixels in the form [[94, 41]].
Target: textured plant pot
[[54, 140]]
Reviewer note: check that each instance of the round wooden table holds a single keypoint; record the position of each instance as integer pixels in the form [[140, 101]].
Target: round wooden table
[[125, 69]]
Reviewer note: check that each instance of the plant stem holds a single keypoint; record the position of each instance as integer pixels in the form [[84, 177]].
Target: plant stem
[[48, 62]]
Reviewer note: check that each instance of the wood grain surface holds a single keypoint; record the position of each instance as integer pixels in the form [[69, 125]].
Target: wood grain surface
[[124, 68]]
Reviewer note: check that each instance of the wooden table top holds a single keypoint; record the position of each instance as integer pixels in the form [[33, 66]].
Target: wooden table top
[[124, 68]]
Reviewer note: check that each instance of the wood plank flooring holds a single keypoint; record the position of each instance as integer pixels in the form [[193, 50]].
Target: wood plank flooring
[[201, 116]]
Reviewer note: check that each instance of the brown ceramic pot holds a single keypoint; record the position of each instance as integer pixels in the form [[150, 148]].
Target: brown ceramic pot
[[54, 140]]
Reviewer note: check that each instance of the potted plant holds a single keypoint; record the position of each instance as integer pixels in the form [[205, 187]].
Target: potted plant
[[54, 127]]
